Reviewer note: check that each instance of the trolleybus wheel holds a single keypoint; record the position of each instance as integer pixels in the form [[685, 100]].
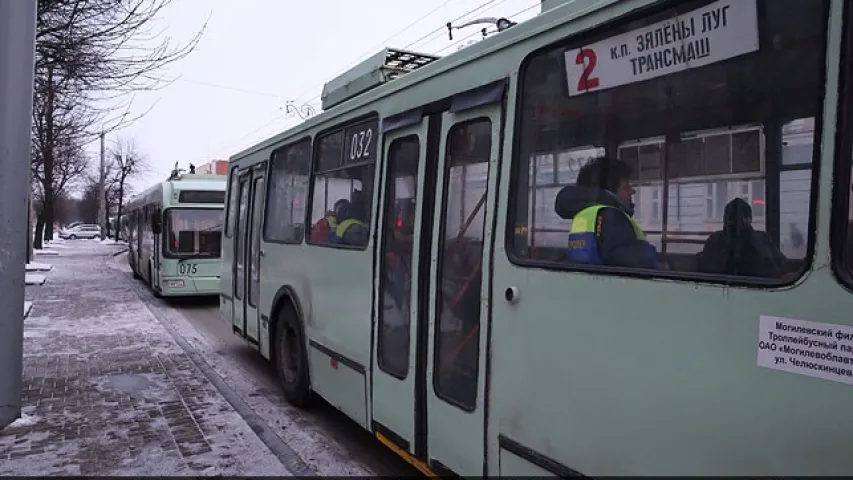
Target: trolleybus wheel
[[291, 359]]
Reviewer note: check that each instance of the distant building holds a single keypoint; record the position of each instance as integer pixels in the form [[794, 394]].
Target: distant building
[[214, 167]]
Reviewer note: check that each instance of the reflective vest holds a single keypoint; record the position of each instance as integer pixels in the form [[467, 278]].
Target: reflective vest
[[586, 227], [344, 226], [332, 221]]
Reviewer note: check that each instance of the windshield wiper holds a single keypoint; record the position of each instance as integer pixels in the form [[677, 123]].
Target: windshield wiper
[[195, 255]]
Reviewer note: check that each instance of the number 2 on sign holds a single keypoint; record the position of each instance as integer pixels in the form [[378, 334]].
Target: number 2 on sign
[[587, 58]]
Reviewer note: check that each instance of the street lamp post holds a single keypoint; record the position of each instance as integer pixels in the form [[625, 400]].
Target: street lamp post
[[17, 62]]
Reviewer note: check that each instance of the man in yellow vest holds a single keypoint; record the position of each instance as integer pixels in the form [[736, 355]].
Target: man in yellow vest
[[603, 231], [353, 228]]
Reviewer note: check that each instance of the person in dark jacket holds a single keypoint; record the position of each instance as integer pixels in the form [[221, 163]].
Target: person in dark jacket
[[603, 230], [738, 249]]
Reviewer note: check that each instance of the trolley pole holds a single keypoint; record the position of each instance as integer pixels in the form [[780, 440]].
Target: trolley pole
[[17, 62], [102, 192]]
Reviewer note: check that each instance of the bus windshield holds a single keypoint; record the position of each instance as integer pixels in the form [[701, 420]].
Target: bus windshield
[[194, 231]]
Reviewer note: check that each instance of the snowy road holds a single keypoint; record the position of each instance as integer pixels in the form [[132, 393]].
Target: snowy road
[[324, 439]]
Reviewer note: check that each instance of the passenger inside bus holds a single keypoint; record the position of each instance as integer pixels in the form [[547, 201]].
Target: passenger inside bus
[[399, 252], [739, 249], [352, 225], [600, 206], [323, 230]]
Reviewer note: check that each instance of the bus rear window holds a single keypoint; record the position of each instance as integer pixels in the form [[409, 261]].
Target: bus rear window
[[680, 141], [194, 231]]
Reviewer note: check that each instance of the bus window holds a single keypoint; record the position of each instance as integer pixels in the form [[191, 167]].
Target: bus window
[[193, 231], [232, 204], [692, 169], [457, 348], [342, 185], [398, 240], [288, 192]]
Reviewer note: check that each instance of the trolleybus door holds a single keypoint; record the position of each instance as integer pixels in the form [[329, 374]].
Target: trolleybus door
[[406, 220], [239, 263], [252, 262], [459, 313], [156, 250], [429, 367]]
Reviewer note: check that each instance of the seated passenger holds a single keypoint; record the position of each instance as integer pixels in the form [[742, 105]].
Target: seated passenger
[[352, 228], [324, 228], [603, 231], [738, 249]]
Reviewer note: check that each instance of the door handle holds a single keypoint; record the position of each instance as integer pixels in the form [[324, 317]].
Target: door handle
[[263, 252]]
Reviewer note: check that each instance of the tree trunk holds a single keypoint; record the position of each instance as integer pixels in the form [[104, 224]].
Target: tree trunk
[[30, 227], [107, 223], [39, 235], [119, 210], [47, 159], [47, 213]]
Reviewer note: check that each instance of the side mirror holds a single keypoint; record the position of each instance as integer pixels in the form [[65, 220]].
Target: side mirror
[[156, 223]]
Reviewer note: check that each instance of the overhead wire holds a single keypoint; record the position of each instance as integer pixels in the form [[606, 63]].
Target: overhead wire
[[361, 58], [432, 33], [370, 52], [479, 32]]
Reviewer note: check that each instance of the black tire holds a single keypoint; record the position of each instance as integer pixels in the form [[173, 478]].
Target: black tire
[[289, 348], [72, 237]]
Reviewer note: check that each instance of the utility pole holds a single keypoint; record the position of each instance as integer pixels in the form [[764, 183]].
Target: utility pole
[[102, 192], [17, 57]]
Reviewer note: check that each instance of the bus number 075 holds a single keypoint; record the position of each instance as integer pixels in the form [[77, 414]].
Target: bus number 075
[[187, 268]]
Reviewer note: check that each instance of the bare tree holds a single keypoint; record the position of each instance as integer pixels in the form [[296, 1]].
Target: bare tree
[[91, 55], [57, 157], [124, 161]]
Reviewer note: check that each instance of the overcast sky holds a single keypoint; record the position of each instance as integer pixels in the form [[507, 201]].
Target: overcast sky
[[256, 55]]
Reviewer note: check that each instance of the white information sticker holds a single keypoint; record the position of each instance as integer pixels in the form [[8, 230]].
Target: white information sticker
[[822, 350], [719, 31]]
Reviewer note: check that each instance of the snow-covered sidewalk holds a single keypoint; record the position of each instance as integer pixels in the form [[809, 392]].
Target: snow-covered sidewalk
[[107, 391]]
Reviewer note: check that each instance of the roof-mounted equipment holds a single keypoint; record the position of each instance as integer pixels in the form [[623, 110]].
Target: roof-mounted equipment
[[381, 68]]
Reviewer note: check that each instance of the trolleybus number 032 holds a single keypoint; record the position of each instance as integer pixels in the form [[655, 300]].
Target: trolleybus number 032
[[187, 268], [360, 144]]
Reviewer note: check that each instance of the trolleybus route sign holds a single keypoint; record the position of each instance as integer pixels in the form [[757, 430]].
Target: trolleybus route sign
[[719, 31], [822, 350]]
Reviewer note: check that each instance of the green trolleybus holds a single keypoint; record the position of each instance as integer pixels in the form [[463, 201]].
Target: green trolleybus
[[409, 254], [174, 234]]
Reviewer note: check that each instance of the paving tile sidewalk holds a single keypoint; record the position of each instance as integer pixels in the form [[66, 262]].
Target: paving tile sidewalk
[[107, 391]]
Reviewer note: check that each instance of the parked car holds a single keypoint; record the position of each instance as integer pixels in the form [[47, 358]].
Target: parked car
[[80, 231]]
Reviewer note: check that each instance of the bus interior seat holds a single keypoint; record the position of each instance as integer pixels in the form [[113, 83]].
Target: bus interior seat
[[186, 241]]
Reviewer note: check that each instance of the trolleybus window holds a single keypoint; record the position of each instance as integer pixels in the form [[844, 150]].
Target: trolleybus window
[[398, 244], [342, 186], [704, 111], [288, 193], [842, 233], [194, 231], [458, 324], [232, 204]]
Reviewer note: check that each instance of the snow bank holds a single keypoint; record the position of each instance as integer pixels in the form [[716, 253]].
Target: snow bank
[[39, 267], [24, 421], [35, 279]]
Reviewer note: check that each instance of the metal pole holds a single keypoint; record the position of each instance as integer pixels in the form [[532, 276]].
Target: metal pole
[[17, 62], [102, 194]]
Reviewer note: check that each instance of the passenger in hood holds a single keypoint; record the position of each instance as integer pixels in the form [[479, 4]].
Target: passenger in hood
[[600, 206]]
